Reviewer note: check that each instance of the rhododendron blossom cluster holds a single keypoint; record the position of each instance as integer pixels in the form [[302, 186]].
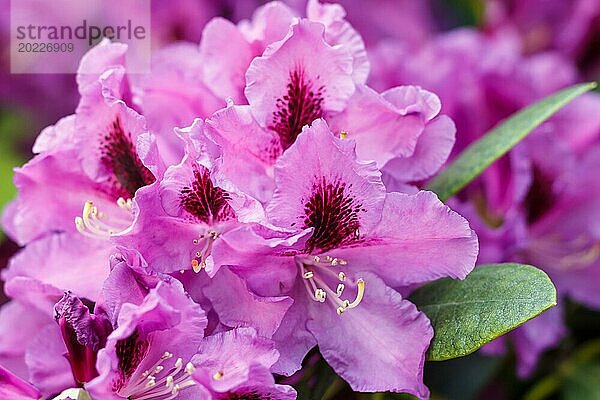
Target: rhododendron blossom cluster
[[205, 226], [256, 202]]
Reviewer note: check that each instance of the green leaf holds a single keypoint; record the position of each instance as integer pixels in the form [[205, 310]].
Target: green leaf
[[583, 383], [491, 301], [479, 155]]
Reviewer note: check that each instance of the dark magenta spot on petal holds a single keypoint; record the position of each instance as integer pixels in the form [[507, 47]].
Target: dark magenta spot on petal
[[300, 106], [130, 353], [119, 157], [204, 201], [246, 395], [333, 213]]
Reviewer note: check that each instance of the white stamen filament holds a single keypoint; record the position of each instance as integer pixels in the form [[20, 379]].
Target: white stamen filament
[[314, 267], [93, 223], [150, 386]]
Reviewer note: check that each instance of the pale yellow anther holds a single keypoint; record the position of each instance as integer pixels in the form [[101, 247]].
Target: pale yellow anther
[[189, 368], [218, 375], [166, 355], [340, 289], [340, 310], [179, 363], [343, 135], [320, 295], [342, 276], [308, 274], [79, 224]]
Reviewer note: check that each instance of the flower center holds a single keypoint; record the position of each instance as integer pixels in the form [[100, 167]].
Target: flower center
[[96, 224], [317, 272], [204, 201], [158, 383], [333, 213]]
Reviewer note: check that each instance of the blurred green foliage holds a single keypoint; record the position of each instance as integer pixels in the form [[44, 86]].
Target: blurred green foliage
[[12, 127]]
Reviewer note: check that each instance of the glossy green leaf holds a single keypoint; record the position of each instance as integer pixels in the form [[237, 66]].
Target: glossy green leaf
[[479, 155], [491, 301]]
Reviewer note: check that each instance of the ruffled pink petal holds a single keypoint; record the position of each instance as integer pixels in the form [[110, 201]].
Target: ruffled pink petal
[[418, 239], [307, 79], [60, 261], [229, 356], [431, 152], [226, 55], [174, 94], [320, 166], [385, 323], [248, 151], [48, 368], [382, 130], [239, 307], [339, 32]]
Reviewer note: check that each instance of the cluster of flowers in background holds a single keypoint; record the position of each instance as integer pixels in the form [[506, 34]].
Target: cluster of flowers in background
[[197, 231]]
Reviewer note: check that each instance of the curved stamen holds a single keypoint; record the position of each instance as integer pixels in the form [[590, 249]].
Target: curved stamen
[[312, 267], [92, 222], [206, 241], [150, 387]]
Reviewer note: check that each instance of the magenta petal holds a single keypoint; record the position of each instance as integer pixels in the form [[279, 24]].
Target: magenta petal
[[96, 61], [166, 321], [383, 323], [226, 55], [14, 388], [418, 239], [293, 339], [174, 94], [248, 151], [61, 260], [48, 367], [382, 129], [239, 307], [306, 54], [431, 152], [339, 32], [318, 158], [228, 357]]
